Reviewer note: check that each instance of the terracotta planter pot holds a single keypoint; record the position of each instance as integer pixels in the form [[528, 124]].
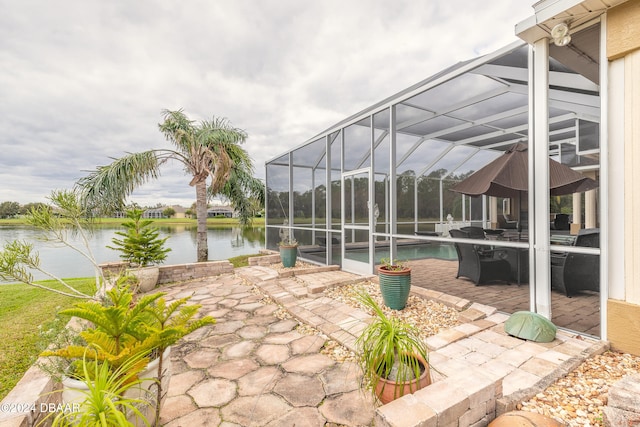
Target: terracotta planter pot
[[388, 390], [524, 419]]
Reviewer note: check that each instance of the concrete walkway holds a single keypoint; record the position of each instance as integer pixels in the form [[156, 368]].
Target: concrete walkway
[[253, 368]]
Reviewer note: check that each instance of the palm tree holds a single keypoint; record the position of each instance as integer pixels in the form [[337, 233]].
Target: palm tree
[[207, 149]]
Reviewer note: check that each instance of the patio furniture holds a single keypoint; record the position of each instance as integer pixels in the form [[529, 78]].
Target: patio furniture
[[518, 259], [560, 222], [474, 232], [572, 272], [479, 264], [493, 233], [506, 223]]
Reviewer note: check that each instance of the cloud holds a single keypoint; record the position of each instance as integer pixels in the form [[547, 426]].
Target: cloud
[[86, 81]]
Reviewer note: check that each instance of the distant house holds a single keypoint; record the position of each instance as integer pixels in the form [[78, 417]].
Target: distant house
[[226, 211], [154, 213], [180, 212]]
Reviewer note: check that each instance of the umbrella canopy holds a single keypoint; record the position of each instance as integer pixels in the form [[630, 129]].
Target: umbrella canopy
[[530, 326], [508, 176]]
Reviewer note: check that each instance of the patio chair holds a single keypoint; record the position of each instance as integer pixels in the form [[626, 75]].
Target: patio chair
[[506, 223], [560, 222], [479, 264], [572, 273]]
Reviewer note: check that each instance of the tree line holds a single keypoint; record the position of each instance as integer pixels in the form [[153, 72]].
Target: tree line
[[10, 209], [14, 209]]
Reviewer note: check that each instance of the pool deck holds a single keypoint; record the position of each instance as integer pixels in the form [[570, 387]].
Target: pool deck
[[256, 368], [580, 313]]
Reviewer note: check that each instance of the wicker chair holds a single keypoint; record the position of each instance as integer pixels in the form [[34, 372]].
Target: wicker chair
[[478, 264], [506, 223], [572, 273]]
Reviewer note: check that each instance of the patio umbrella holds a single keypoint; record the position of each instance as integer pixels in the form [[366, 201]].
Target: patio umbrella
[[507, 176]]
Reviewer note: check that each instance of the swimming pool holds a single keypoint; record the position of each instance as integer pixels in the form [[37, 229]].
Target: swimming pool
[[444, 251]]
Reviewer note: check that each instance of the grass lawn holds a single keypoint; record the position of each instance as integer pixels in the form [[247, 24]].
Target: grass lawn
[[22, 309], [241, 260]]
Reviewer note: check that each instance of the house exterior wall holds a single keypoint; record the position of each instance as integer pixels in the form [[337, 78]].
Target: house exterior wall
[[623, 31], [623, 52]]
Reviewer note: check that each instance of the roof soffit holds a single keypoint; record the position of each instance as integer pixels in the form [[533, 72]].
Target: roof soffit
[[551, 12]]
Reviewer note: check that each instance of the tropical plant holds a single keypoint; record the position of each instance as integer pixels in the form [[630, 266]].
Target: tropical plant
[[123, 328], [208, 149], [60, 223], [140, 243], [389, 348], [288, 241], [388, 265], [105, 403]]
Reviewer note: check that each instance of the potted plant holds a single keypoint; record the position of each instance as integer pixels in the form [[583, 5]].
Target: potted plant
[[104, 399], [288, 251], [142, 248], [123, 328], [392, 355], [395, 283]]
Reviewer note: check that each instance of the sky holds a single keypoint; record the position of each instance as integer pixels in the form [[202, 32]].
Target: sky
[[86, 81]]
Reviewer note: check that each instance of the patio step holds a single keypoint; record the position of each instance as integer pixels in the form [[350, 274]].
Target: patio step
[[302, 282], [319, 282]]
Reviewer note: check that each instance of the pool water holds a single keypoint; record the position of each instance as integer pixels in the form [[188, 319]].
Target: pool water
[[444, 251]]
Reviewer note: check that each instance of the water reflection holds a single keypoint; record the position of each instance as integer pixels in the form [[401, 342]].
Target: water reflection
[[224, 243]]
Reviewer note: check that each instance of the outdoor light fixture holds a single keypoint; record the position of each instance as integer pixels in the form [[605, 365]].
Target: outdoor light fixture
[[560, 34]]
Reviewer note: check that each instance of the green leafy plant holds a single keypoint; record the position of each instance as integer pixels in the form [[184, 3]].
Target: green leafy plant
[[64, 219], [105, 403], [289, 241], [389, 348], [389, 265], [140, 243], [119, 332], [123, 328]]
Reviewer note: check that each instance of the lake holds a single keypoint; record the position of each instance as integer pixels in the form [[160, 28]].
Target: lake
[[224, 243]]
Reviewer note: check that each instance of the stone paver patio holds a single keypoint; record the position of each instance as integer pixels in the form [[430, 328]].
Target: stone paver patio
[[255, 368]]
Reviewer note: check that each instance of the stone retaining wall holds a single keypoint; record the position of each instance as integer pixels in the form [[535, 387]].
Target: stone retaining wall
[[623, 407], [177, 272], [266, 259], [198, 270], [29, 401], [466, 399]]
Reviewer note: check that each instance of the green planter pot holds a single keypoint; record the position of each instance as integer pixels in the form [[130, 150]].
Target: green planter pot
[[288, 255], [395, 287]]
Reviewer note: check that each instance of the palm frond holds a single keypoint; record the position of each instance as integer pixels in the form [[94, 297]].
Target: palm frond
[[219, 131], [108, 186], [178, 129], [245, 192]]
